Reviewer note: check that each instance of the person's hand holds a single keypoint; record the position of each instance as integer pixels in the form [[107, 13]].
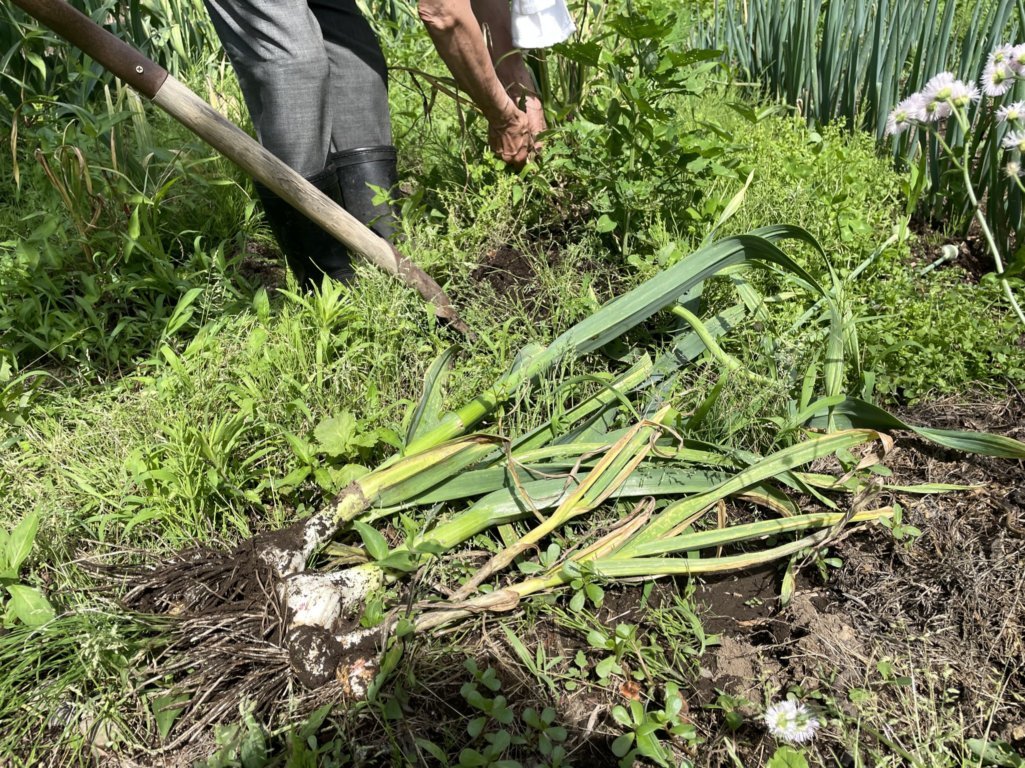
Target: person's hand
[[510, 137], [535, 118]]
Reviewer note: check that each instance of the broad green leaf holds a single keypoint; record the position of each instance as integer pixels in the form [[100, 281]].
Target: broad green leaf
[[29, 606], [376, 544], [998, 753], [166, 709], [622, 744], [335, 435], [787, 757], [19, 544], [428, 410]]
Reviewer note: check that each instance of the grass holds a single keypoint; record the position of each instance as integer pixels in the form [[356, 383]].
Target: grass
[[163, 420]]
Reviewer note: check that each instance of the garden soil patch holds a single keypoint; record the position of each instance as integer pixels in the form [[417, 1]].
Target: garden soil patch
[[940, 617], [511, 275]]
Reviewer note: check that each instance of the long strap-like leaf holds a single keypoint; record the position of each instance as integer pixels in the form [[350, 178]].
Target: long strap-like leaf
[[854, 413]]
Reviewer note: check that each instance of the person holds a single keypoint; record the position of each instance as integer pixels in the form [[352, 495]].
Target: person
[[315, 83]]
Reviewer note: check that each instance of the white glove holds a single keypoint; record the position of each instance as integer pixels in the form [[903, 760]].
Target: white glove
[[540, 23]]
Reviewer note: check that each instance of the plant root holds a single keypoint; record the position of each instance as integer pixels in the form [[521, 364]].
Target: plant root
[[250, 625]]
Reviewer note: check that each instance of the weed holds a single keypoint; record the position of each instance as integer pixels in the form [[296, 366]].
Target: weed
[[25, 604]]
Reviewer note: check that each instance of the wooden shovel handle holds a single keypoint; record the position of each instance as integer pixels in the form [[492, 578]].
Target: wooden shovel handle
[[143, 74], [153, 81]]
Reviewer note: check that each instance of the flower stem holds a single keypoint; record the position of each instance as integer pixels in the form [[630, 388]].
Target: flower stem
[[965, 168], [988, 234]]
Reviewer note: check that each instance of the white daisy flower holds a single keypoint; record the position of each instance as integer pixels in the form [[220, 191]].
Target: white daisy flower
[[1013, 169], [905, 114], [937, 84], [1011, 112], [1016, 61], [936, 110], [962, 94], [1003, 53], [997, 78], [939, 93], [1015, 140], [791, 722]]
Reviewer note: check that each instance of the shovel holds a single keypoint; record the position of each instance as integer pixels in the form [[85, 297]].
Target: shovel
[[153, 81]]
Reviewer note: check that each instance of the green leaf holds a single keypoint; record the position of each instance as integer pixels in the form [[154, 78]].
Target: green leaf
[[398, 561], [597, 639], [649, 745], [576, 603], [472, 758], [428, 410], [855, 413], [376, 544], [166, 709], [621, 716], [29, 606], [261, 303], [476, 726], [606, 667], [998, 753], [19, 544], [432, 749], [622, 744], [182, 312], [787, 757], [335, 435]]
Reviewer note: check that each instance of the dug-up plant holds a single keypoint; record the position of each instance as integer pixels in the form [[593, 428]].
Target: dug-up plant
[[256, 622], [945, 99]]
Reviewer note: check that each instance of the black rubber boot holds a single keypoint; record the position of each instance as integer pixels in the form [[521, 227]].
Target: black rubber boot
[[355, 170], [309, 251]]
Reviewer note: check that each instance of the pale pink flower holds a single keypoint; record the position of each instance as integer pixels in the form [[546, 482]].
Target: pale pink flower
[[962, 94], [939, 94], [936, 84], [937, 110]]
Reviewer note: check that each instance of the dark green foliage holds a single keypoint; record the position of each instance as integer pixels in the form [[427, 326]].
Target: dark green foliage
[[854, 60], [634, 153]]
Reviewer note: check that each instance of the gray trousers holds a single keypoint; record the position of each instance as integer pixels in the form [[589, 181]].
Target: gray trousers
[[312, 74]]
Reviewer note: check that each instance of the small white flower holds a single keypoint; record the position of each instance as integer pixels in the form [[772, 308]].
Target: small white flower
[[936, 110], [1015, 140], [1003, 53], [908, 112], [997, 78], [962, 94], [937, 84], [791, 722], [1013, 169], [1011, 112], [939, 93], [1017, 59]]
